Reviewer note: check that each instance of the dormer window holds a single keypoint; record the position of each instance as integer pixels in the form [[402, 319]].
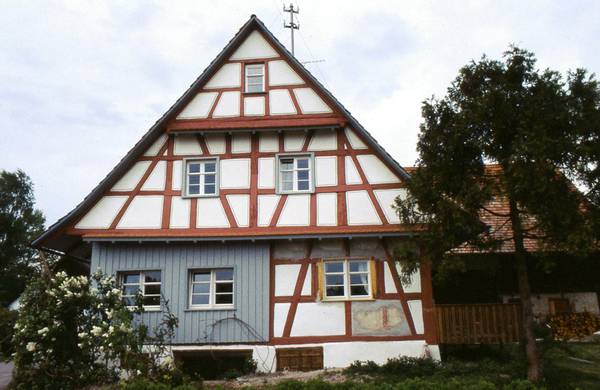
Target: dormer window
[[201, 177], [255, 78], [295, 173]]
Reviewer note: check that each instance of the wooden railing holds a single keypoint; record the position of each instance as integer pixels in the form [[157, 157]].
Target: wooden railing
[[490, 323]]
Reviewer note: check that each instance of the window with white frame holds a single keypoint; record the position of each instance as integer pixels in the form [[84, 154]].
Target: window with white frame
[[211, 288], [255, 78], [345, 279], [145, 283], [295, 173], [201, 177]]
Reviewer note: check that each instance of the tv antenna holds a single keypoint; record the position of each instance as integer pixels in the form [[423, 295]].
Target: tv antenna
[[291, 25]]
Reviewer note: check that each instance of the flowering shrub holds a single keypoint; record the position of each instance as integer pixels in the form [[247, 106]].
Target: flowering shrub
[[573, 325]]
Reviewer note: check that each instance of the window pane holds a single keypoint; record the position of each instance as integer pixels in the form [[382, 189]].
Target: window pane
[[359, 266], [209, 179], [337, 291], [334, 267], [131, 278], [287, 186], [254, 80], [287, 164], [194, 167], [194, 179], [201, 288], [224, 287], [334, 280], [224, 274], [201, 276], [130, 290], [302, 175], [152, 289], [302, 163], [303, 186], [252, 70], [223, 299], [209, 167], [194, 190], [358, 290], [254, 88], [209, 189], [199, 299], [129, 301], [151, 301], [359, 279], [152, 276]]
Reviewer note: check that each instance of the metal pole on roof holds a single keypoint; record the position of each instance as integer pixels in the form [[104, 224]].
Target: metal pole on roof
[[291, 25]]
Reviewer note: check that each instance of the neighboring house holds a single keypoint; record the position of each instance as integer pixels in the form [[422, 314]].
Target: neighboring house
[[548, 304], [261, 211]]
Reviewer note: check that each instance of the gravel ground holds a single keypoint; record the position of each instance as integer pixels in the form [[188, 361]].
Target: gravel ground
[[5, 374], [331, 375]]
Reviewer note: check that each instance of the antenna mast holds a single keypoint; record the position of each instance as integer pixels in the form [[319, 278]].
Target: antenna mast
[[293, 26]]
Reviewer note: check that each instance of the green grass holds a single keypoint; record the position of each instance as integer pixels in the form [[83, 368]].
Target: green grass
[[563, 372]]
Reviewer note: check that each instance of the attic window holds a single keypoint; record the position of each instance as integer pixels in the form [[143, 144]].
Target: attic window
[[201, 177], [295, 173], [255, 78]]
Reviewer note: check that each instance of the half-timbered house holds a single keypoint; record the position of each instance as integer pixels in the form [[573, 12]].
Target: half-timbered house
[[261, 210]]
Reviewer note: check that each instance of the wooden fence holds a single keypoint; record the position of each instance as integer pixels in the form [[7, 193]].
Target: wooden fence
[[492, 323]]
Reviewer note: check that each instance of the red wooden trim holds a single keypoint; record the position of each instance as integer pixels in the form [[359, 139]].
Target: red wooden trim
[[271, 293], [290, 299], [429, 321], [253, 60], [399, 288], [253, 180], [294, 305], [313, 209], [267, 89], [295, 101], [348, 317], [228, 142], [137, 188], [214, 107], [255, 122], [193, 212], [281, 139], [228, 211], [307, 138], [342, 216], [295, 261], [166, 215], [288, 86], [340, 338], [203, 145], [242, 88], [278, 210]]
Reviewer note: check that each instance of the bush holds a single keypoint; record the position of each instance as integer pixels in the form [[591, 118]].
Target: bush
[[407, 384], [573, 325], [8, 318], [402, 367], [145, 384]]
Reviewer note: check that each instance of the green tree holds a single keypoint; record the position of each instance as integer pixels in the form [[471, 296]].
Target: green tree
[[542, 129], [20, 223]]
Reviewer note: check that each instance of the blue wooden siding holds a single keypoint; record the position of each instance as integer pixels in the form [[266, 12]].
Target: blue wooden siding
[[247, 322]]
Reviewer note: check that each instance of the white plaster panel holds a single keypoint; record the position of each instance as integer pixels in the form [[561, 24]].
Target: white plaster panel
[[155, 147], [296, 211], [360, 209], [266, 172], [144, 212], [180, 213], [103, 213], [228, 105], [352, 176], [254, 106], [266, 208], [375, 170], [326, 171], [307, 286], [386, 199], [228, 76], [327, 209], [240, 206], [310, 102], [156, 180], [268, 142], [285, 279], [235, 173], [355, 141], [340, 355], [131, 179], [210, 213], [390, 287], [280, 313], [199, 107], [255, 46], [187, 145], [215, 143], [323, 140], [177, 174], [306, 323], [280, 102], [280, 73], [293, 140], [240, 143], [416, 312]]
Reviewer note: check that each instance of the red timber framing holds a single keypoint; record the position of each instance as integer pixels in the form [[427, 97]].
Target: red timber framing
[[310, 263]]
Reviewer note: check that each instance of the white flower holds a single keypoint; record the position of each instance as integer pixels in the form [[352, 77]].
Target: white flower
[[111, 329], [80, 345], [96, 330], [82, 335], [110, 313], [31, 346], [43, 331]]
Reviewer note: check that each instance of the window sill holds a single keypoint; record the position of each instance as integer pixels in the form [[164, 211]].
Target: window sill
[[295, 192], [146, 308], [254, 93], [199, 196], [345, 299], [211, 308]]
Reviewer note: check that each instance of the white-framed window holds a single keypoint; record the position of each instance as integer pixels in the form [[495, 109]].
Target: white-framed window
[[255, 78], [211, 288], [295, 173], [347, 279], [147, 283], [201, 177]]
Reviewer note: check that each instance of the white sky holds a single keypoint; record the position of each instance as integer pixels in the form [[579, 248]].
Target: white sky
[[82, 81]]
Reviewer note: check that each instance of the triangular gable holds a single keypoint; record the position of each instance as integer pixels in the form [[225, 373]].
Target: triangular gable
[[287, 71]]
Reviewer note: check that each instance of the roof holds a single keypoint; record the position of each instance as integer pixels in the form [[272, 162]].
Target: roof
[[55, 239]]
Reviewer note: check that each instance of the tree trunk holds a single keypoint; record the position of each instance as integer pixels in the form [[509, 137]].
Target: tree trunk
[[534, 370]]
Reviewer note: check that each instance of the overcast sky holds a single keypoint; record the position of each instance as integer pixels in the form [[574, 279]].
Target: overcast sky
[[82, 81]]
